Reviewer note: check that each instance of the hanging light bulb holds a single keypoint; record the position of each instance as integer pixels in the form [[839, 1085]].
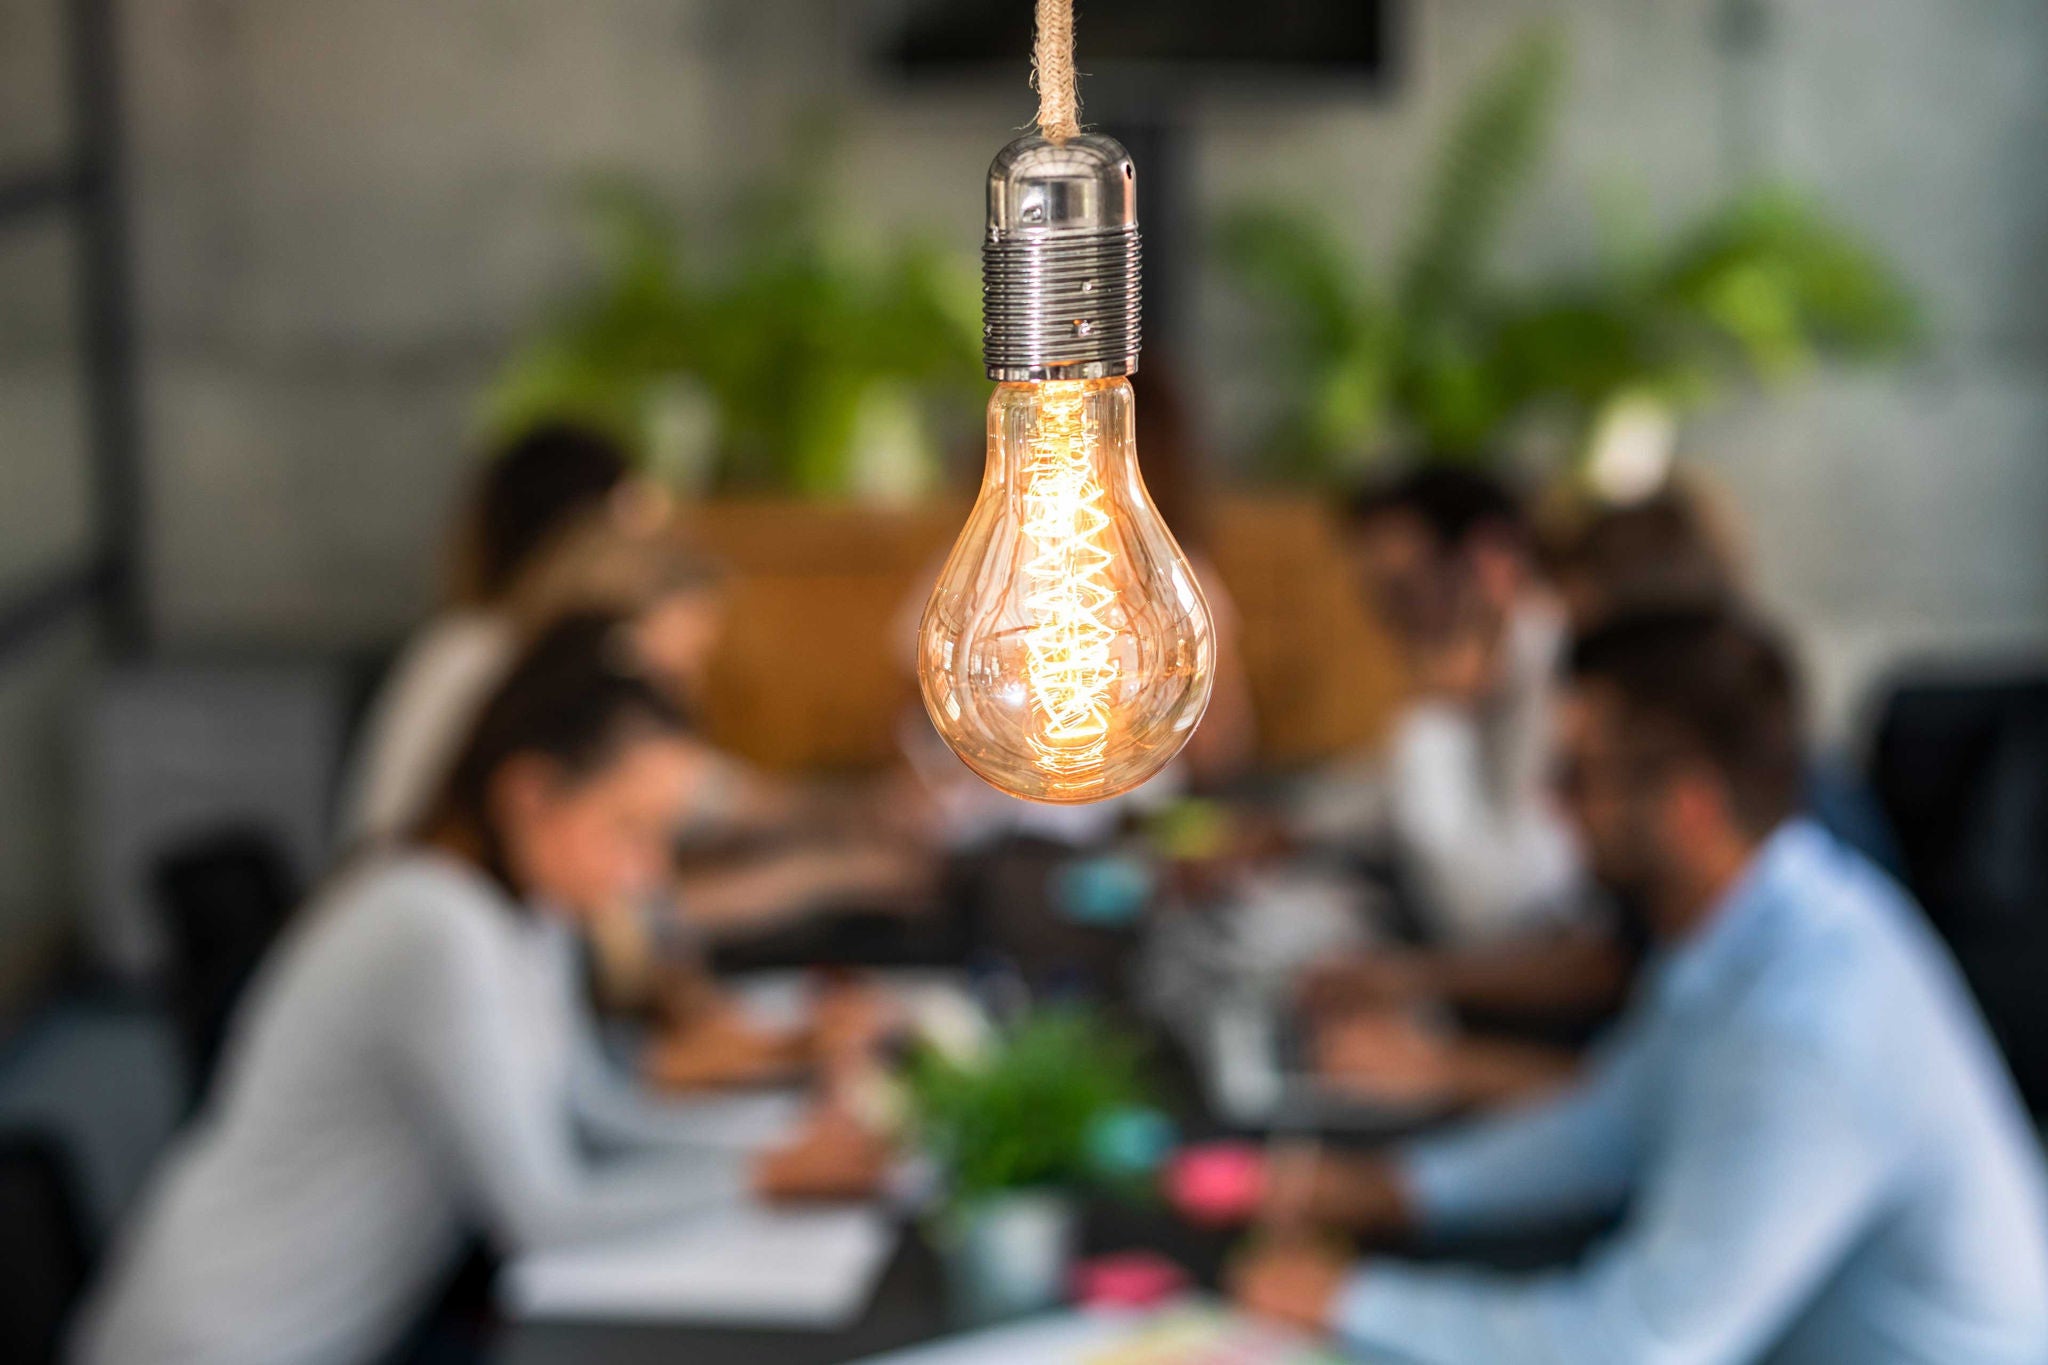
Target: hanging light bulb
[[1066, 654]]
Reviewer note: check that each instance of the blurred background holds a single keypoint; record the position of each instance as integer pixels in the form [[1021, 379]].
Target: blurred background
[[274, 274]]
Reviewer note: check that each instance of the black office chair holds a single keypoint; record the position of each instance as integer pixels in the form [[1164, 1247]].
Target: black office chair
[[1962, 772], [223, 898], [45, 1251]]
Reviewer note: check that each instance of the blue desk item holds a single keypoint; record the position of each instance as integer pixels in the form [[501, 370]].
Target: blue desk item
[[1130, 1142], [1109, 891]]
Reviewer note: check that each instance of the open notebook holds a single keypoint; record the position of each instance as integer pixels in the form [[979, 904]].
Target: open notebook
[[750, 1266]]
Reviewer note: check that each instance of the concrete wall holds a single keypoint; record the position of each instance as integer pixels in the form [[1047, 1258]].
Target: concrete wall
[[344, 210], [1908, 516]]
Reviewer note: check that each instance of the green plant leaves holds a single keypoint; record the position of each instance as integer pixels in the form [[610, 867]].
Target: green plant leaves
[[1451, 364], [1778, 280], [1022, 1115], [1492, 153], [786, 330]]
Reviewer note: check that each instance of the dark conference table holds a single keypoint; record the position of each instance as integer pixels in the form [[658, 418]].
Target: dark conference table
[[909, 1304]]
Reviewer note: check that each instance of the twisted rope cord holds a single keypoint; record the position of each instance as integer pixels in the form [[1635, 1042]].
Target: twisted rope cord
[[1052, 71]]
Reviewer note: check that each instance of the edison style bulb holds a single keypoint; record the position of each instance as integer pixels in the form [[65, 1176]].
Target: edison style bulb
[[1067, 653]]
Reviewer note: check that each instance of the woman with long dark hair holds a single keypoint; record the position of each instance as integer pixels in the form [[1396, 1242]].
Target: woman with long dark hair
[[406, 1072]]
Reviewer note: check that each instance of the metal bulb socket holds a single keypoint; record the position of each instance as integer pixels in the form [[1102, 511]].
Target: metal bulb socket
[[1059, 263]]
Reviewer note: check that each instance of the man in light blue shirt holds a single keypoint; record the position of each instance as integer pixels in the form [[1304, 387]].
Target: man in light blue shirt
[[1814, 1149]]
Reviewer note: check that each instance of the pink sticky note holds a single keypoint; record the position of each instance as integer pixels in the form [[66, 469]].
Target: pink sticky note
[[1217, 1182], [1130, 1279]]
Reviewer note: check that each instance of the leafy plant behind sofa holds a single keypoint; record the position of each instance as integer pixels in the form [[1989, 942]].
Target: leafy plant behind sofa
[[758, 343], [1447, 362]]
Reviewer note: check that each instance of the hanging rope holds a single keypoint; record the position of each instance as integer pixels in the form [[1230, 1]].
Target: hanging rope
[[1052, 71]]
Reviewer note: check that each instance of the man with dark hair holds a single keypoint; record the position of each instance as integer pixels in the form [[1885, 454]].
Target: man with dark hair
[[1812, 1146], [1664, 551], [1453, 502], [1445, 557]]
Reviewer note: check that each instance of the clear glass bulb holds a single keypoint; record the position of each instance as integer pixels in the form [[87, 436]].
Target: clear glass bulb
[[1066, 654]]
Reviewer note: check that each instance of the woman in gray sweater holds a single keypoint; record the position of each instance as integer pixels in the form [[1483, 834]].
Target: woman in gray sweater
[[406, 1072]]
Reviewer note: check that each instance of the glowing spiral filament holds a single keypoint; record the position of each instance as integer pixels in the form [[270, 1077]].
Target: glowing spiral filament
[[1068, 589]]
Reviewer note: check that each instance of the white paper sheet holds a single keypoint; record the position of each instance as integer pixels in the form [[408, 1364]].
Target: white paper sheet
[[744, 1122], [813, 1268]]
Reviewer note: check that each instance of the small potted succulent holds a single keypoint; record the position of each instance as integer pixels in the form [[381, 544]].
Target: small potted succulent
[[1020, 1122]]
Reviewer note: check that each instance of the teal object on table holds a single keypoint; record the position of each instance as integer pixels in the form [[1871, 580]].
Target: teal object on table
[[1130, 1142], [1109, 891]]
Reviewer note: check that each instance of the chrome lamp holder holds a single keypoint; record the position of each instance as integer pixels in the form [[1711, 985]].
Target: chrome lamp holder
[[1059, 263]]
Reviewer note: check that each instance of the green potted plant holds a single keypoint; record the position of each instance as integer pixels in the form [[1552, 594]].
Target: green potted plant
[[1018, 1124], [1449, 361], [755, 350]]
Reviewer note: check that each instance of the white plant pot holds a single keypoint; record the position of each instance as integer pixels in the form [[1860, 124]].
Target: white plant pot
[[1009, 1255]]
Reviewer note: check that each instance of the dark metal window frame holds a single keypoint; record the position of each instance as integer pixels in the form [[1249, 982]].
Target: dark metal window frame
[[86, 188]]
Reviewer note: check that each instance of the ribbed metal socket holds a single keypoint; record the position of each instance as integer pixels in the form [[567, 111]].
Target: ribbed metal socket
[[1060, 263]]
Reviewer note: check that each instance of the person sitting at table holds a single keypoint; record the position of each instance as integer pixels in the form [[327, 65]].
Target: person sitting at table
[[558, 525], [1811, 1144], [410, 1066], [1556, 978], [633, 561], [1445, 557], [1669, 550], [1676, 547], [526, 495], [1681, 547], [771, 851]]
